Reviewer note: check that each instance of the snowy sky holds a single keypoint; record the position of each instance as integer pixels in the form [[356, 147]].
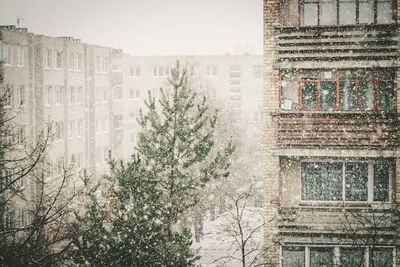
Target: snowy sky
[[147, 27]]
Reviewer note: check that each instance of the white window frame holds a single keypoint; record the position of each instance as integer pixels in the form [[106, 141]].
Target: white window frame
[[370, 182], [337, 247], [20, 56], [48, 58], [7, 49], [58, 57], [212, 70]]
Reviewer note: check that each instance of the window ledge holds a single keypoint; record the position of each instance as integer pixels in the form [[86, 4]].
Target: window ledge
[[335, 113], [349, 204], [308, 28]]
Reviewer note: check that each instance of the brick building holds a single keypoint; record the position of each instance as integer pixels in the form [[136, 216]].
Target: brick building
[[331, 137]]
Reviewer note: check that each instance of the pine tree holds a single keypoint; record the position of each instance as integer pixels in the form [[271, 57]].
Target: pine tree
[[177, 143], [139, 225]]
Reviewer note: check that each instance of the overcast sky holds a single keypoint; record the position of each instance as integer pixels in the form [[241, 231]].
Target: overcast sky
[[146, 27]]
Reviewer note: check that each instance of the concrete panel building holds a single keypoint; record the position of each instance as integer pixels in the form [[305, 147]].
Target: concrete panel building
[[331, 86]]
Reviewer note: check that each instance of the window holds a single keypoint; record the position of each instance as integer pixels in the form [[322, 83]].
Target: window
[[316, 256], [322, 180], [7, 54], [71, 129], [118, 121], [235, 71], [71, 61], [351, 256], [309, 12], [338, 90], [20, 56], [293, 257], [48, 95], [72, 95], [134, 71], [134, 93], [97, 64], [349, 181], [80, 128], [8, 94], [98, 95], [161, 71], [382, 257], [211, 70], [7, 176], [80, 95], [9, 218], [59, 60], [48, 59], [118, 93], [20, 135], [320, 256], [79, 65], [21, 95], [235, 89], [337, 12], [59, 97], [59, 130], [105, 95]]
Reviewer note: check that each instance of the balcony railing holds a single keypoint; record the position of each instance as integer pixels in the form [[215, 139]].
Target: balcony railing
[[340, 221], [327, 43], [338, 130]]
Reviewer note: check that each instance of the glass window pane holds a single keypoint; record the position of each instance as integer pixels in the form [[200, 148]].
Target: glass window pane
[[328, 96], [347, 95], [321, 257], [328, 12], [381, 257], [289, 95], [321, 180], [381, 181], [309, 13], [293, 257], [347, 12], [385, 12], [385, 74], [347, 75], [309, 74], [386, 96], [356, 179], [309, 96], [288, 74], [367, 96], [352, 257], [366, 75], [366, 11]]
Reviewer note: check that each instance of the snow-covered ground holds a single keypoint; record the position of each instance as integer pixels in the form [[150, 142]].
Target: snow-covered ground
[[218, 246]]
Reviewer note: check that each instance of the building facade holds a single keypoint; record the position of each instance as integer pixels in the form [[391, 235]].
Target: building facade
[[331, 86], [89, 96]]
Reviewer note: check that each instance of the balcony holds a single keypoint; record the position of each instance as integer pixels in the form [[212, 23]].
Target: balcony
[[338, 45], [338, 130], [365, 222]]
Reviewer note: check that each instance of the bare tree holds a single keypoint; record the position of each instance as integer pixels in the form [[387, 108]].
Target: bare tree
[[36, 199], [243, 230]]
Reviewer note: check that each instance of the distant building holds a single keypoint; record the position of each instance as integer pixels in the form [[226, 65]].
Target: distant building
[[331, 105], [91, 95]]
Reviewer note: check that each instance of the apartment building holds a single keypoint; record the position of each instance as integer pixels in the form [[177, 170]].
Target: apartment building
[[232, 84], [90, 95], [331, 86]]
